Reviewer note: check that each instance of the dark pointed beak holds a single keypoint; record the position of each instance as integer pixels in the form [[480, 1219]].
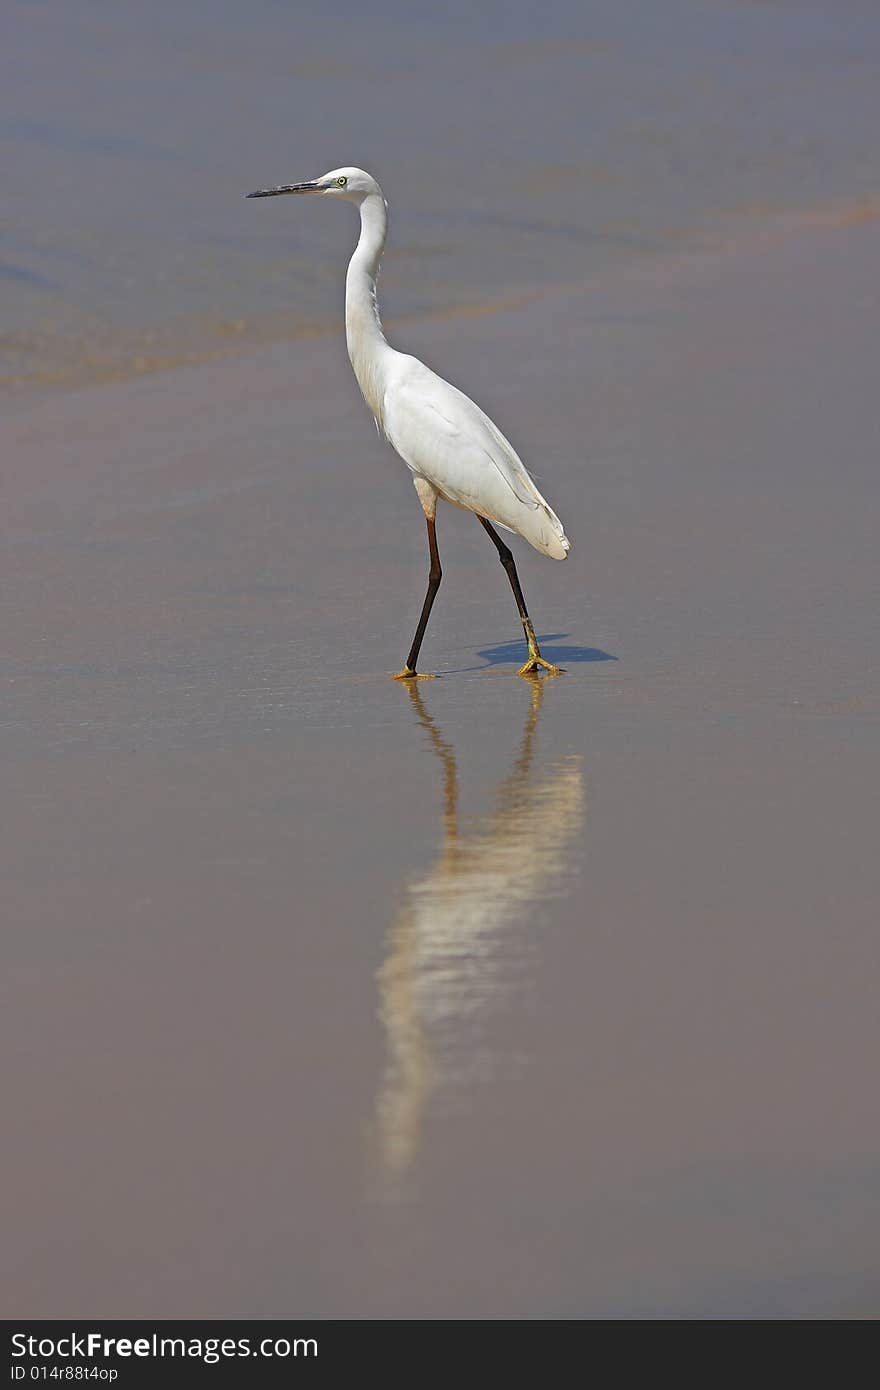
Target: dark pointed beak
[[286, 188]]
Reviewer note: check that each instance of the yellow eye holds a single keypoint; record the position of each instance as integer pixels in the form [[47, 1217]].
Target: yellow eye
[[341, 181]]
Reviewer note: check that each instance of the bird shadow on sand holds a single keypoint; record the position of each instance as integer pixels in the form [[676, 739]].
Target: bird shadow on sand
[[553, 648]]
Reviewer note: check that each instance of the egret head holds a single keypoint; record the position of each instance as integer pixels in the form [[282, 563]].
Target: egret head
[[351, 184]]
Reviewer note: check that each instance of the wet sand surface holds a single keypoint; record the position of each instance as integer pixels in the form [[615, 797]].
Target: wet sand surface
[[324, 996]]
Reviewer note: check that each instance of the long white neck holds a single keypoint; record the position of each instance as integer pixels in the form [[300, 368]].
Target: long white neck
[[367, 347]]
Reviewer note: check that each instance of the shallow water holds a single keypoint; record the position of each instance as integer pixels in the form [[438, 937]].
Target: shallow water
[[490, 998], [518, 148]]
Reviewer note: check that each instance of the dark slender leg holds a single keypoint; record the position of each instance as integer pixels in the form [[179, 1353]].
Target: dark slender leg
[[505, 555], [435, 574]]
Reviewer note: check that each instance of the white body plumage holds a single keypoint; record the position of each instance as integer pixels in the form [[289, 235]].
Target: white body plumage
[[450, 446], [452, 449]]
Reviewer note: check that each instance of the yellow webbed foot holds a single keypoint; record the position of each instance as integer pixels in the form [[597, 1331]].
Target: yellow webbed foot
[[536, 663], [407, 675]]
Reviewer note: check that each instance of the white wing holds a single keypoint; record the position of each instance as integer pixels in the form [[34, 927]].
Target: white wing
[[444, 437]]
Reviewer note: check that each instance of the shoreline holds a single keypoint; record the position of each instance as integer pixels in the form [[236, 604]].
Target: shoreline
[[729, 233]]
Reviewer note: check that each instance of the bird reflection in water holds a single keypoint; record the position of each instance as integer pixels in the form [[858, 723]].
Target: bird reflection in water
[[460, 944]]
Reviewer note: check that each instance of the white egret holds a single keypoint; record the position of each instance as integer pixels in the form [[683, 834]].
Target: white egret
[[452, 449]]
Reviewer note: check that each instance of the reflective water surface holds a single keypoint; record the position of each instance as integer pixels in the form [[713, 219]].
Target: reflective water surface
[[520, 148], [463, 942]]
